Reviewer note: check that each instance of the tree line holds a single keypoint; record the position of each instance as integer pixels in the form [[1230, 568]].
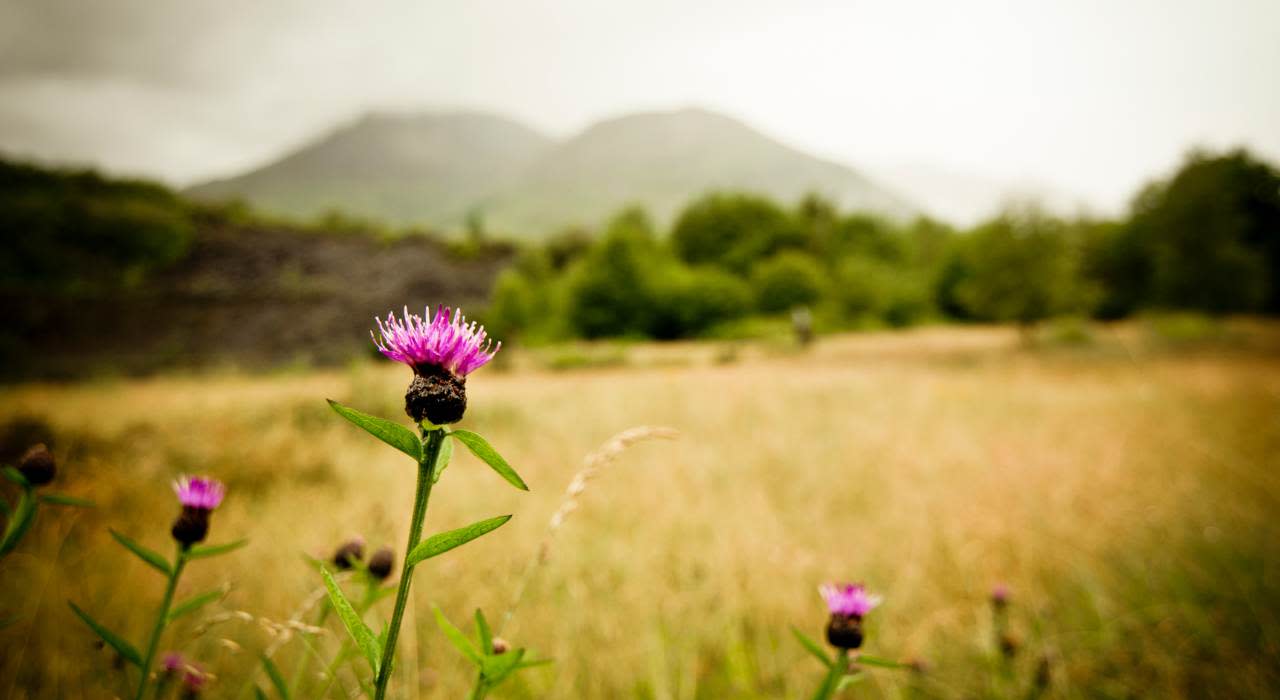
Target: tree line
[[1206, 238]]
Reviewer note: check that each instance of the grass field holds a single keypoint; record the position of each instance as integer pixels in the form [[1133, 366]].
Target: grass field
[[1127, 489]]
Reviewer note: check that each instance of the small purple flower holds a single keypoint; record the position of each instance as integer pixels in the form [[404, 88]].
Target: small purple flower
[[199, 492], [172, 662], [451, 344], [1000, 594], [848, 599], [198, 496]]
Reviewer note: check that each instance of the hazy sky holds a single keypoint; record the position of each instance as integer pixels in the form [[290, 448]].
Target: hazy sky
[[1091, 96]]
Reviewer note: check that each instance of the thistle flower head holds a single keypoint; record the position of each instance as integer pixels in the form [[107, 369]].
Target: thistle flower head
[[199, 492], [198, 496], [848, 599], [37, 465], [1000, 594], [349, 553], [435, 341], [172, 662], [381, 563]]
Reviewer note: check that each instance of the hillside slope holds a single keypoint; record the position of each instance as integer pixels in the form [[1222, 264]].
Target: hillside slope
[[401, 169]]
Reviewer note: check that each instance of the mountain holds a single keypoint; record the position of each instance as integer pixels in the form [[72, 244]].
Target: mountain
[[404, 169], [660, 161], [438, 169]]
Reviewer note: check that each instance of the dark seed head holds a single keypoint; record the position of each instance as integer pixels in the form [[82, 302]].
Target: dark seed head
[[381, 563], [191, 526], [37, 465], [1008, 645], [436, 396], [844, 632], [349, 553]]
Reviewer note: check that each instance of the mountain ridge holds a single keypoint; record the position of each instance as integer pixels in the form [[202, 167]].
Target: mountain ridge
[[441, 169]]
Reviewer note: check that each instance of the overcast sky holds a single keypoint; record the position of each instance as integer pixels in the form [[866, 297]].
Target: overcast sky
[[1091, 96]]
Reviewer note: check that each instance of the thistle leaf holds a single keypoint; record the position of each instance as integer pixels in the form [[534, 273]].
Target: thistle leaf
[[125, 649], [849, 679], [213, 550], [457, 638], [482, 629], [356, 627], [16, 477], [877, 661], [496, 667], [273, 673], [151, 557], [482, 449], [812, 647], [24, 513], [194, 603], [443, 542], [393, 434], [62, 500], [442, 459]]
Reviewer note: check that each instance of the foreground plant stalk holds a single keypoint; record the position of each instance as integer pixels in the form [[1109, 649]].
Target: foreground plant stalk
[[432, 438], [162, 619]]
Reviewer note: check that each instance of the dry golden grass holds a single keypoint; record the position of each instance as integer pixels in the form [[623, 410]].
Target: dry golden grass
[[1127, 492]]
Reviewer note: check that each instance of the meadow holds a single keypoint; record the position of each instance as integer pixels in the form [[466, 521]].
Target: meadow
[[1124, 486]]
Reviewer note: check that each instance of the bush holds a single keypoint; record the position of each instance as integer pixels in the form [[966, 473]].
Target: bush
[[788, 280], [690, 301], [733, 231]]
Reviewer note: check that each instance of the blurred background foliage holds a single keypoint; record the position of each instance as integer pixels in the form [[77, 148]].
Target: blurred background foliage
[[1206, 239]]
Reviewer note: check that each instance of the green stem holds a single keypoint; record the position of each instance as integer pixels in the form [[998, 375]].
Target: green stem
[[431, 439], [162, 619], [832, 681], [481, 689]]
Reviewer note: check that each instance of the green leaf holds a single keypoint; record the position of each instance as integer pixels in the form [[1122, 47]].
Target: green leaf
[[393, 434], [877, 661], [356, 627], [61, 500], [194, 603], [459, 640], [442, 458], [273, 673], [153, 558], [16, 477], [125, 649], [443, 542], [535, 662], [496, 667], [482, 449], [258, 694], [23, 515], [486, 634], [812, 647], [4, 507], [849, 679], [213, 550]]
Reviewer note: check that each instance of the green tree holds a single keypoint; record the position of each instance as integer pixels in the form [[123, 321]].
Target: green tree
[[611, 289], [788, 280], [1211, 234], [1021, 268], [733, 231]]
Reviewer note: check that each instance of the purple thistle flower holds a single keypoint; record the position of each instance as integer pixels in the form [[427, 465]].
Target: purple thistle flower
[[199, 492], [172, 662], [198, 496], [454, 345], [1000, 594], [848, 599]]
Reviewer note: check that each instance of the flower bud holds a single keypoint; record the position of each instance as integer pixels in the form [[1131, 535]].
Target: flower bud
[[1008, 645], [501, 646], [191, 526], [845, 631], [37, 465], [381, 563], [436, 396], [1000, 596], [349, 553]]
